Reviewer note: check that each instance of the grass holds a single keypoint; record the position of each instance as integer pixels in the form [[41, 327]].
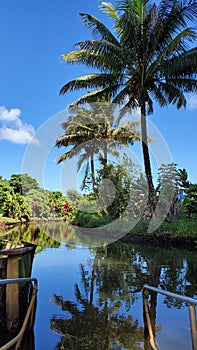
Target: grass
[[177, 228]]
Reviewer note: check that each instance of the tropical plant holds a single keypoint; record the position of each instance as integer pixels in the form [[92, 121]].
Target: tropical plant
[[190, 202], [95, 131], [12, 204], [168, 180], [183, 178], [146, 57], [38, 204], [22, 183], [74, 196], [129, 195]]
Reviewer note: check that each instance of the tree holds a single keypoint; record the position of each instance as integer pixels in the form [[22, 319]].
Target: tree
[[22, 183], [61, 205], [95, 131], [12, 204], [130, 193], [168, 187], [190, 202], [183, 178], [147, 58], [101, 134], [4, 188], [73, 195], [38, 204]]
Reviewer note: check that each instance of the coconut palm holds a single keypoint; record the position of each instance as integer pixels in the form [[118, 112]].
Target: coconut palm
[[146, 57], [94, 131]]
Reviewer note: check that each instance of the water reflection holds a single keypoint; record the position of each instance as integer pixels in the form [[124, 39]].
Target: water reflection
[[101, 315], [105, 310], [43, 236], [96, 319]]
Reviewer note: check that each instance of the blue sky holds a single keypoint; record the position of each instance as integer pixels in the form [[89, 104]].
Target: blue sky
[[33, 36]]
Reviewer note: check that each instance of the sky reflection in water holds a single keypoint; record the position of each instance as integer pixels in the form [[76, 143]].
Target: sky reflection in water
[[94, 295]]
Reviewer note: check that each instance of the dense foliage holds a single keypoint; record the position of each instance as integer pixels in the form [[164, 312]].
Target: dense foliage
[[121, 192], [22, 198]]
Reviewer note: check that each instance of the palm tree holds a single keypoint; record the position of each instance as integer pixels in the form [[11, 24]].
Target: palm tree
[[183, 178], [92, 131], [146, 58]]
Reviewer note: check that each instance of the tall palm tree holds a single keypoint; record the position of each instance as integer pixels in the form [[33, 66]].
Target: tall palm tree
[[92, 131], [146, 57]]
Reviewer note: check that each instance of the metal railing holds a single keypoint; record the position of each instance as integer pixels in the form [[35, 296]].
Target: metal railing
[[191, 303], [29, 314]]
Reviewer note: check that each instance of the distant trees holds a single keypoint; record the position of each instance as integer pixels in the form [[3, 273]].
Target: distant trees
[[122, 192], [22, 183], [22, 198], [190, 202], [12, 204]]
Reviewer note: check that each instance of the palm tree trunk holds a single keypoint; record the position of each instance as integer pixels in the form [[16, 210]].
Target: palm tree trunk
[[105, 156], [93, 175], [146, 156]]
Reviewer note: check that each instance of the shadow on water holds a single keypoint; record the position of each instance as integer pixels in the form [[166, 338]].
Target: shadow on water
[[105, 310]]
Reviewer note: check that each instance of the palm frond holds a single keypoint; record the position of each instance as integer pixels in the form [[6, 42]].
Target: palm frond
[[182, 65], [173, 16], [173, 94], [158, 95], [173, 56], [96, 95], [82, 158], [98, 28], [94, 59], [67, 140], [110, 10], [73, 152], [90, 81]]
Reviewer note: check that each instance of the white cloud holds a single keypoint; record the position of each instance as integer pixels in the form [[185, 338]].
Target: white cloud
[[192, 102], [13, 129]]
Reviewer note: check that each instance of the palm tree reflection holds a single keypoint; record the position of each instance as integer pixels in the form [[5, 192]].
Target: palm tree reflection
[[101, 324], [102, 315]]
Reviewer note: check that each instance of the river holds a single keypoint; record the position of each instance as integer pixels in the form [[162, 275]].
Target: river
[[90, 295]]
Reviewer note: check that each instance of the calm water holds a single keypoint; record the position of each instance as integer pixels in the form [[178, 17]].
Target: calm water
[[91, 298]]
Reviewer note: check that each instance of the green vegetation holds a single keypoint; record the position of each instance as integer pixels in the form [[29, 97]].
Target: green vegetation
[[22, 200], [190, 202], [128, 200], [146, 57], [31, 233], [177, 228], [181, 217], [95, 132]]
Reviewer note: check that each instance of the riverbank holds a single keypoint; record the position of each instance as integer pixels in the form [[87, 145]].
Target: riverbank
[[164, 240], [6, 223], [178, 232]]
